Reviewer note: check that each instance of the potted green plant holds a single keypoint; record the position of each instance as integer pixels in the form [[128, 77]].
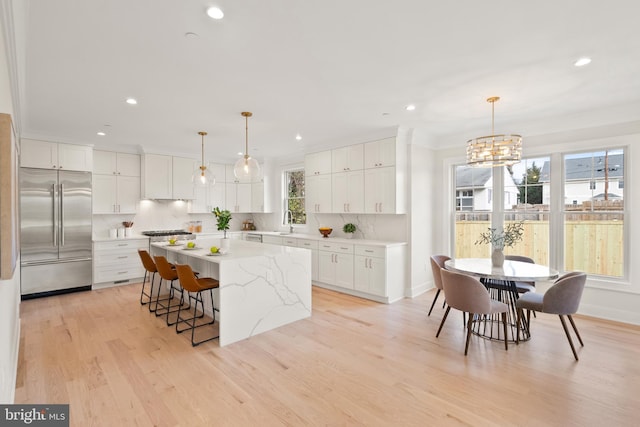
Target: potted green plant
[[499, 239], [349, 229], [223, 219]]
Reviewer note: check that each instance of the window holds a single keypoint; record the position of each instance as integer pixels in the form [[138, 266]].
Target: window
[[473, 209], [594, 212], [294, 197]]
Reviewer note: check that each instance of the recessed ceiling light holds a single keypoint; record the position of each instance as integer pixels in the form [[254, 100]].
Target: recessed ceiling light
[[298, 137], [240, 153], [385, 114], [101, 134], [582, 62], [410, 107], [191, 35], [215, 12], [131, 101]]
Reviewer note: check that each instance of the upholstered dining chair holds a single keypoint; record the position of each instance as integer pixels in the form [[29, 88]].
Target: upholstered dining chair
[[467, 294], [563, 299], [437, 264], [522, 286], [197, 286]]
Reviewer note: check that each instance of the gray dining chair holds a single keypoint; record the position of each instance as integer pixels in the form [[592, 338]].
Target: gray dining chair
[[522, 286], [467, 294], [563, 299], [437, 264]]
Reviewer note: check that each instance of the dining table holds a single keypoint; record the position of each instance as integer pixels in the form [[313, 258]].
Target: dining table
[[501, 284]]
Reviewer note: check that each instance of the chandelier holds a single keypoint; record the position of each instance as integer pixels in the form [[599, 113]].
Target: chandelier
[[202, 176], [246, 168], [494, 150]]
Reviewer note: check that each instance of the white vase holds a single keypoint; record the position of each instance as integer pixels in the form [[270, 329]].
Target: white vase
[[225, 244], [497, 258], [349, 235]]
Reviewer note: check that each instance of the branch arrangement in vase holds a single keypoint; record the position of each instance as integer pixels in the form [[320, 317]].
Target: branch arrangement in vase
[[512, 234]]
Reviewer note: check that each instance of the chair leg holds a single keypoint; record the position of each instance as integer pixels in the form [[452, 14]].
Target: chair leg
[[504, 322], [446, 313], [469, 323], [144, 282], [434, 302], [566, 331], [518, 320], [575, 329]]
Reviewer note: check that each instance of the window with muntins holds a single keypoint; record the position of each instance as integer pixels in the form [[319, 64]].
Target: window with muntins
[[294, 197], [594, 212]]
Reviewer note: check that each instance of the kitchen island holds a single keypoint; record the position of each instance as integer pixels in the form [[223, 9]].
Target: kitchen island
[[262, 287]]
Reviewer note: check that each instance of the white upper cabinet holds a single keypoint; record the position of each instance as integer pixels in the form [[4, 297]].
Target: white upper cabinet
[[348, 192], [53, 155], [182, 185], [113, 163], [380, 153], [167, 177], [238, 197], [157, 175], [317, 163], [116, 182], [318, 193], [347, 159]]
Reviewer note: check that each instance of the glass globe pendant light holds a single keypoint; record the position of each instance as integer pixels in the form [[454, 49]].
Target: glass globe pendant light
[[246, 168], [202, 176]]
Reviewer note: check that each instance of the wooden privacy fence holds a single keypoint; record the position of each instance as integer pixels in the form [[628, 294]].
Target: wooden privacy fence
[[595, 247]]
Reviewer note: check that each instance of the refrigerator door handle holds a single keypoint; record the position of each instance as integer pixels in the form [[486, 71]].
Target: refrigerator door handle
[[55, 215], [61, 214]]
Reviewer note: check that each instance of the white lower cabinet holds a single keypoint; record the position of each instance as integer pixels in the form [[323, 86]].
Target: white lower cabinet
[[370, 270], [335, 264], [117, 261], [312, 245]]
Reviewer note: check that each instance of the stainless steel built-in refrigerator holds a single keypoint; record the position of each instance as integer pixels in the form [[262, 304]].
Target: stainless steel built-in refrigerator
[[55, 231]]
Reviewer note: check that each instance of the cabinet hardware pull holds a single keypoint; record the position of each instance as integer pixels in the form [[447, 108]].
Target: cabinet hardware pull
[[123, 244], [123, 257], [122, 272], [369, 251]]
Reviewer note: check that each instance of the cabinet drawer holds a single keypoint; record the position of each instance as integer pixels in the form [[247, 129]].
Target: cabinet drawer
[[308, 244], [123, 259], [373, 251], [344, 248], [114, 274], [272, 240], [288, 241], [121, 245]]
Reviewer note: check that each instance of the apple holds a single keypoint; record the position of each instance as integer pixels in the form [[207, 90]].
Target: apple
[[214, 249], [172, 241], [191, 245]]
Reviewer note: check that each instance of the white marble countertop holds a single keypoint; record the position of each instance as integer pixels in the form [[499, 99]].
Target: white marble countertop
[[239, 249], [329, 239], [113, 239]]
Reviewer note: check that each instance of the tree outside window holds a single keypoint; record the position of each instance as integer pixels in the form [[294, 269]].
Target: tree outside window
[[294, 196]]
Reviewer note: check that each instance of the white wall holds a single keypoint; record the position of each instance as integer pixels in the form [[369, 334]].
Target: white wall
[[9, 289], [605, 298]]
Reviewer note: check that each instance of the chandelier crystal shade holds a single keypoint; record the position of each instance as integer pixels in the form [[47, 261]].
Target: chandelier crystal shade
[[202, 176], [494, 150], [246, 168]]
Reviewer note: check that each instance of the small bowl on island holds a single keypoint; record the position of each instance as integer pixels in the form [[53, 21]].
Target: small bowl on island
[[325, 231]]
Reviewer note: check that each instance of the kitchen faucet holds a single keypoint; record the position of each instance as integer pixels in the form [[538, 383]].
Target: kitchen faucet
[[288, 216]]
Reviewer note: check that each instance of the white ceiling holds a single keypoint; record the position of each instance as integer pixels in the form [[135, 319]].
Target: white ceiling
[[335, 71]]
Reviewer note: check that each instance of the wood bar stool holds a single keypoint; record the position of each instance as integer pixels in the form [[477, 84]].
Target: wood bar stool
[[197, 286]]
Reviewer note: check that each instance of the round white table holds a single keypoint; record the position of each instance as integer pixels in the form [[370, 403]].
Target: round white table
[[501, 283]]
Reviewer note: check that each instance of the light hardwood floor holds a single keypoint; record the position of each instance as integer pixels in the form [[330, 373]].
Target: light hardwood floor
[[354, 362]]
